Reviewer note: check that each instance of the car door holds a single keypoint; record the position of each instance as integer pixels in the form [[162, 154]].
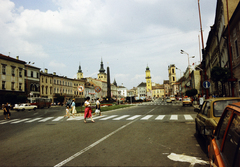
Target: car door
[[203, 116], [214, 152], [230, 148]]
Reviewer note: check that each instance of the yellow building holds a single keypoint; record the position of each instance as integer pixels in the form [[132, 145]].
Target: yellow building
[[148, 83], [102, 75]]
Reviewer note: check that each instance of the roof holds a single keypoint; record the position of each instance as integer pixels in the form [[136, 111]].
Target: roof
[[143, 84], [11, 59], [166, 82]]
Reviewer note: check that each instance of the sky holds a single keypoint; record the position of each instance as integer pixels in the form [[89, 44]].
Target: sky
[[127, 35]]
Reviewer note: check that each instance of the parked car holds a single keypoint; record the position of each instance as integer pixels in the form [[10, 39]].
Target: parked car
[[24, 106], [172, 97], [224, 148], [209, 114], [187, 101], [168, 100]]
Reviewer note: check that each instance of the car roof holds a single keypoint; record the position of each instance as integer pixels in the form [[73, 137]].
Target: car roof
[[222, 98]]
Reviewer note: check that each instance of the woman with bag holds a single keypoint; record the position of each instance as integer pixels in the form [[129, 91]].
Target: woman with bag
[[98, 111], [88, 110]]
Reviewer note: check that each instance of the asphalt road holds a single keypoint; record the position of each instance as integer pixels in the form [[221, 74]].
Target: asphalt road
[[144, 135]]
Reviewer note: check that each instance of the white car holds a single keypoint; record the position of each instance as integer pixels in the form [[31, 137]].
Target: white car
[[24, 106]]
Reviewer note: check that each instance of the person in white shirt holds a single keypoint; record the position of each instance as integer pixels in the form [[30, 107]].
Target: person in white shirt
[[98, 107]]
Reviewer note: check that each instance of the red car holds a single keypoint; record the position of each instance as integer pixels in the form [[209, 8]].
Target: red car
[[224, 148]]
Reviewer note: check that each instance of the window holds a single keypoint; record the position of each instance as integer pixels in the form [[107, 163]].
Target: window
[[3, 85], [42, 80], [32, 74], [173, 71], [223, 124], [13, 71], [42, 89], [46, 90], [236, 47], [3, 69], [20, 86], [46, 80], [12, 86], [173, 78], [37, 75], [20, 72]]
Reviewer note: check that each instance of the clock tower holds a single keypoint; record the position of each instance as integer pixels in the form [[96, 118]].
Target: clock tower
[[148, 82]]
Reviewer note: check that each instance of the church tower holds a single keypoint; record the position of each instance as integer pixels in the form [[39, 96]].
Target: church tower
[[148, 82], [79, 74], [172, 74], [102, 75]]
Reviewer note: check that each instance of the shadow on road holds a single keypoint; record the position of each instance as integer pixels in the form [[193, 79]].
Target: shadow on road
[[202, 142]]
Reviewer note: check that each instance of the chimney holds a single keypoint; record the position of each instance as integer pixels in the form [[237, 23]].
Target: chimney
[[54, 73], [46, 70], [17, 57]]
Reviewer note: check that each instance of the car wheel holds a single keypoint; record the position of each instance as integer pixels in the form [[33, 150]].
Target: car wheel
[[18, 110], [23, 109], [183, 105], [34, 108]]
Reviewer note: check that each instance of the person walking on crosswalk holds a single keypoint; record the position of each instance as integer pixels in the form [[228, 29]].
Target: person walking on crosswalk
[[73, 108], [88, 110]]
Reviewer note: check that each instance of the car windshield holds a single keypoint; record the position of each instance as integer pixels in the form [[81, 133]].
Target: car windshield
[[219, 106], [186, 99]]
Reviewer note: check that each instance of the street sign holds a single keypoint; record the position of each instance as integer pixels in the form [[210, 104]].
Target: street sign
[[206, 84], [97, 89], [80, 88]]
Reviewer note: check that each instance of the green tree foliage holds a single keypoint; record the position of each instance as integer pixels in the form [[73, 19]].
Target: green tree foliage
[[219, 74], [191, 92]]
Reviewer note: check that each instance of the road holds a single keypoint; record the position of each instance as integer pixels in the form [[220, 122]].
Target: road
[[143, 135]]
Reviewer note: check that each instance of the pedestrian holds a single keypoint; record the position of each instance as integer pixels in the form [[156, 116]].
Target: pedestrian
[[98, 110], [73, 108], [6, 111], [67, 112], [88, 110]]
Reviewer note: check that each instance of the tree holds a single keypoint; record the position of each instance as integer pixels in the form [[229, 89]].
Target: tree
[[219, 74], [191, 92]]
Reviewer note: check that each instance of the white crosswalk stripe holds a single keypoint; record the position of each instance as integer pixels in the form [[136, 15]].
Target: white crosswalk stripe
[[174, 117], [188, 117], [109, 117], [23, 120], [46, 119], [146, 117], [124, 116], [58, 118], [134, 117], [35, 119], [181, 117], [160, 117]]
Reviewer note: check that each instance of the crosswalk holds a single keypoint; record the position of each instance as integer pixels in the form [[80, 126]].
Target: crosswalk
[[160, 103], [181, 117]]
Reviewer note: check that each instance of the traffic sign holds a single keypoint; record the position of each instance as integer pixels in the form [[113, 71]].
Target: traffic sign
[[206, 84], [97, 89], [80, 88]]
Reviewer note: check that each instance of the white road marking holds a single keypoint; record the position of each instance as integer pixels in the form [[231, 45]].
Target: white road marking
[[174, 117], [45, 119], [146, 117], [109, 117], [134, 117], [58, 118], [97, 117], [9, 121], [33, 120], [186, 158], [160, 117], [188, 117], [124, 116], [15, 122], [75, 118]]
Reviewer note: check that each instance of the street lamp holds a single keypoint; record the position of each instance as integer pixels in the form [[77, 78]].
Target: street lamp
[[180, 72], [183, 52]]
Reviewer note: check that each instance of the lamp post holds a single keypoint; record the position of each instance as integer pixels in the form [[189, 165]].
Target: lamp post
[[183, 52], [180, 72]]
